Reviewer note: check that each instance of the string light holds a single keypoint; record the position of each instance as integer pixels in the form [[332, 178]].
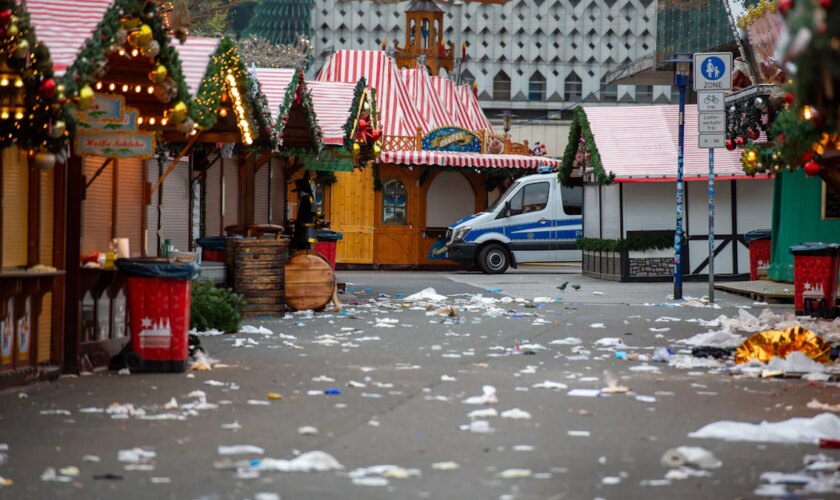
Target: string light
[[138, 89]]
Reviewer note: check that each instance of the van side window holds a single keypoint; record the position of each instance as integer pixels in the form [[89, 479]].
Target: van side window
[[572, 200], [531, 198]]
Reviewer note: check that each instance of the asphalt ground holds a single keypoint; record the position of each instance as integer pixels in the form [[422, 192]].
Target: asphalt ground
[[406, 415]]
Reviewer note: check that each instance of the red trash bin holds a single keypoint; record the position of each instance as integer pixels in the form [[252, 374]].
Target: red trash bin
[[759, 244], [159, 295], [326, 245], [815, 268]]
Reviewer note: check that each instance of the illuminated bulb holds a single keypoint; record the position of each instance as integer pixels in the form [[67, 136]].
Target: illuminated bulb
[[150, 90], [193, 132], [152, 120], [122, 52], [139, 120], [98, 85], [125, 87], [18, 83], [112, 87], [243, 124], [239, 109], [138, 89], [223, 112], [19, 115], [4, 82], [4, 115], [164, 121], [248, 141], [135, 53], [807, 112]]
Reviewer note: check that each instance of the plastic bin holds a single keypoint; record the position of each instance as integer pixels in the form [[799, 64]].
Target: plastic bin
[[213, 248], [159, 295], [758, 242], [326, 245], [815, 267]]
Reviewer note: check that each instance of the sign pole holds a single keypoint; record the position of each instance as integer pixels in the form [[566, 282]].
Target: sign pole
[[711, 225]]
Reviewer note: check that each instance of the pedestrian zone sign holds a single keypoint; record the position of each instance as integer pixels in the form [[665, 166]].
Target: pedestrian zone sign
[[712, 71]]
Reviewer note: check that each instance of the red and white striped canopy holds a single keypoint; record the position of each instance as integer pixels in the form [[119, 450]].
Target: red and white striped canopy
[[475, 116], [640, 144], [195, 56], [331, 100], [445, 90], [65, 26], [425, 99], [465, 160], [398, 116]]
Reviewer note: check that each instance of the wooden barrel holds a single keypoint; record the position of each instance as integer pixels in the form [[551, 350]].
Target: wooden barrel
[[310, 281]]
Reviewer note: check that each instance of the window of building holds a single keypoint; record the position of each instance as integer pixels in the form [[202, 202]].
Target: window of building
[[467, 77], [501, 87], [609, 92], [573, 89], [394, 203], [536, 87], [531, 198]]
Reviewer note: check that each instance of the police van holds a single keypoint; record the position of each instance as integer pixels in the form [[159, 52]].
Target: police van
[[536, 220]]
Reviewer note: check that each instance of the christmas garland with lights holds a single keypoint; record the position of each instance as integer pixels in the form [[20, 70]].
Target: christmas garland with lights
[[35, 117], [134, 22], [224, 63], [805, 133], [580, 129], [297, 94], [349, 126]]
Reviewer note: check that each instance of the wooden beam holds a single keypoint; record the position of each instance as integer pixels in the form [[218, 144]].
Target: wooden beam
[[98, 172], [59, 206], [175, 162], [72, 278], [248, 190], [262, 160], [33, 254], [209, 137]]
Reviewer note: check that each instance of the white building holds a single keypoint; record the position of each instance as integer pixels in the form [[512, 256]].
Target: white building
[[536, 58]]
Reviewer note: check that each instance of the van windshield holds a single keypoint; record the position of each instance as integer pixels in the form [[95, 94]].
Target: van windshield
[[500, 199]]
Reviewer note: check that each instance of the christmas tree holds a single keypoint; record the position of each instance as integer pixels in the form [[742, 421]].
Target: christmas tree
[[281, 21], [805, 133]]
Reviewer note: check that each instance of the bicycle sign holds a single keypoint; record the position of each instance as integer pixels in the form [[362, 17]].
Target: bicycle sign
[[710, 102], [713, 71]]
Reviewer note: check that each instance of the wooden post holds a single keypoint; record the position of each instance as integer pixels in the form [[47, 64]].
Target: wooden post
[[418, 140], [72, 315], [34, 233], [59, 283], [248, 190]]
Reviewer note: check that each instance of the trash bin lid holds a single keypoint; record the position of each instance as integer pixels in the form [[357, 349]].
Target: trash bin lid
[[327, 235], [757, 235], [816, 249], [214, 243], [157, 268]]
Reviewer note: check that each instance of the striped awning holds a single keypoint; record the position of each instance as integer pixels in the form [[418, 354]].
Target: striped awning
[[195, 56], [445, 89], [475, 115], [466, 160], [640, 144], [426, 100], [332, 101], [274, 82], [65, 26], [398, 116]]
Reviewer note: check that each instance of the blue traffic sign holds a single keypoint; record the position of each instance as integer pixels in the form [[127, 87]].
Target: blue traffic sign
[[713, 71], [713, 68]]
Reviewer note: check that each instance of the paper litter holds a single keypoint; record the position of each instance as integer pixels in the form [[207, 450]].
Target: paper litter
[[427, 294], [312, 461], [514, 474], [488, 398], [693, 456], [445, 466], [483, 413], [240, 449], [794, 430], [549, 385], [516, 414], [478, 427]]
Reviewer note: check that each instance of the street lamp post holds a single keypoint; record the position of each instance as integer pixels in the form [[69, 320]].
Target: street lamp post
[[682, 71]]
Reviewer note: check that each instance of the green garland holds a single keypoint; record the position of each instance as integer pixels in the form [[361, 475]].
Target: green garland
[[298, 85], [349, 126], [580, 128], [631, 244], [205, 106], [92, 61], [38, 129]]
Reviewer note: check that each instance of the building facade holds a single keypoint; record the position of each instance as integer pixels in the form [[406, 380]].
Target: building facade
[[535, 58]]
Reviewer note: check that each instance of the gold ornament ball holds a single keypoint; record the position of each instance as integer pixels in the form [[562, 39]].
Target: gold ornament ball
[[22, 49], [86, 97], [356, 148], [13, 30], [377, 150], [58, 129], [158, 75], [44, 160], [141, 37], [179, 112]]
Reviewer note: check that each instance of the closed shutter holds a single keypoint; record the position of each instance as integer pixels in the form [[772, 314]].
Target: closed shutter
[[213, 201], [591, 212], [611, 212], [96, 209], [47, 217], [15, 208], [152, 210], [261, 189], [278, 192], [44, 330], [231, 212], [129, 223], [175, 220]]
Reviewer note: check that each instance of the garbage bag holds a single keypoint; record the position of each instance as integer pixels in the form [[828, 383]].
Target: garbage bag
[[213, 243], [768, 344], [326, 235], [149, 268]]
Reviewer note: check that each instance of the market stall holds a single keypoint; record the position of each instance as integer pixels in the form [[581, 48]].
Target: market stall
[[34, 134]]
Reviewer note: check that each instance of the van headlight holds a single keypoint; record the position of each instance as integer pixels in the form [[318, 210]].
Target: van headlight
[[461, 233]]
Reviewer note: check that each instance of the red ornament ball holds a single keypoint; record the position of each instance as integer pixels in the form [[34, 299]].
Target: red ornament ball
[[47, 88], [788, 98], [807, 156], [780, 138], [5, 17], [752, 133], [825, 4], [739, 141], [785, 5], [730, 144], [812, 169]]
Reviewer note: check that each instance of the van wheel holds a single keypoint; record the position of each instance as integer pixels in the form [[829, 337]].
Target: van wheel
[[493, 259]]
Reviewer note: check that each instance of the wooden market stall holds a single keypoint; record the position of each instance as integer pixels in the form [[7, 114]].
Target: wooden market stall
[[34, 134], [127, 87], [429, 174]]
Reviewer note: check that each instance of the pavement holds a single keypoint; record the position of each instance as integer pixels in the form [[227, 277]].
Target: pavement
[[408, 414]]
